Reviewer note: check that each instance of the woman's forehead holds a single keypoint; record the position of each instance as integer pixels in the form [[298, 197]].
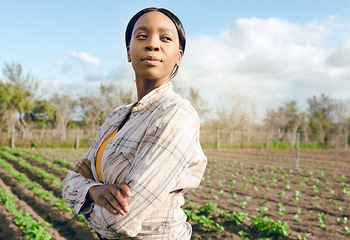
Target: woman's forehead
[[155, 19]]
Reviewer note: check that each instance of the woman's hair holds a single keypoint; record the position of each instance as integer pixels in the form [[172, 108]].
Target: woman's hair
[[180, 29]]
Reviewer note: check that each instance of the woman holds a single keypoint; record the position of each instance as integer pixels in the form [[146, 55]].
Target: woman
[[146, 155]]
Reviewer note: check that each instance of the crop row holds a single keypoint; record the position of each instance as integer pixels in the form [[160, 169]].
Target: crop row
[[35, 187], [33, 229], [40, 172], [203, 216]]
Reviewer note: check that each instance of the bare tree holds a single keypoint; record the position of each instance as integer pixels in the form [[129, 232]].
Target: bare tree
[[342, 120], [286, 121], [64, 105], [198, 103], [92, 110], [237, 112], [114, 95]]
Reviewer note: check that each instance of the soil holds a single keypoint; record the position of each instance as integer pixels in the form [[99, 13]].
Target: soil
[[67, 226], [323, 169], [268, 177]]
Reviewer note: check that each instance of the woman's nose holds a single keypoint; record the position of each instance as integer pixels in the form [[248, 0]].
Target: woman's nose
[[152, 45]]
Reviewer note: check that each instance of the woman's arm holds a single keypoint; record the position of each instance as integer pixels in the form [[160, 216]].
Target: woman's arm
[[164, 154], [110, 196], [76, 186]]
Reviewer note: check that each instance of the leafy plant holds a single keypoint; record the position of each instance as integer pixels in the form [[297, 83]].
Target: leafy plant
[[283, 194], [32, 228], [269, 226], [243, 235], [297, 217], [239, 217], [321, 220], [297, 196], [347, 230]]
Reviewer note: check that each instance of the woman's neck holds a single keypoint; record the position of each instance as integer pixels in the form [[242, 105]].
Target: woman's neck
[[145, 86]]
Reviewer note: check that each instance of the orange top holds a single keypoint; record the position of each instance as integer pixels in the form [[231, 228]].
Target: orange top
[[100, 154]]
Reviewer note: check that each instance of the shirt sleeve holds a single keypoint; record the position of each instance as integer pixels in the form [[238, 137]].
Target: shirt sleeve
[[164, 153], [75, 186]]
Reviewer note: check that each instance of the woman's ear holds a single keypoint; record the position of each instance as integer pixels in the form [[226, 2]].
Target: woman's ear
[[179, 57], [128, 52]]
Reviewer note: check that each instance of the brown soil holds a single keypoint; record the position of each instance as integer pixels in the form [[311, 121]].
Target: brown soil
[[67, 225], [267, 176], [252, 181]]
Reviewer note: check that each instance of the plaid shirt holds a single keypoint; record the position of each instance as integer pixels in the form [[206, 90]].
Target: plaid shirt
[[158, 154]]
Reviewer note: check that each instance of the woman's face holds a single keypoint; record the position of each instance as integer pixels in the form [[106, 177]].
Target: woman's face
[[154, 47]]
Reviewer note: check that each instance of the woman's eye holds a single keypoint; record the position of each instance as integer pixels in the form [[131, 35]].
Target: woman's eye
[[141, 36], [166, 38]]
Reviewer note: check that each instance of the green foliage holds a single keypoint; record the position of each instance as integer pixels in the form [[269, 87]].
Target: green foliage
[[33, 229], [281, 209], [243, 235], [321, 220], [347, 230], [238, 217], [279, 145], [297, 196], [269, 226], [40, 172], [34, 186]]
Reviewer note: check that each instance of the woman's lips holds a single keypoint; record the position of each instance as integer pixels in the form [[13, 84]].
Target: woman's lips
[[151, 60]]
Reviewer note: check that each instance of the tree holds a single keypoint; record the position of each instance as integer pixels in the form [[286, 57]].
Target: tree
[[17, 96], [64, 105], [342, 121], [237, 112], [43, 113], [113, 95], [198, 103], [320, 117], [294, 120], [92, 108], [286, 120]]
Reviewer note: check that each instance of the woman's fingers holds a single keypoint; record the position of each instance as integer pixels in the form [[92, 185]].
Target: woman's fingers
[[114, 203], [120, 199], [111, 198], [84, 168], [87, 164], [125, 188]]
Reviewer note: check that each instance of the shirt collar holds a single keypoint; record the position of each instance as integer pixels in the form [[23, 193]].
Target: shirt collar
[[152, 97]]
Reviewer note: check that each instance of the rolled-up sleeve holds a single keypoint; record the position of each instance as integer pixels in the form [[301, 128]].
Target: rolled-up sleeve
[[75, 189], [75, 186], [163, 155]]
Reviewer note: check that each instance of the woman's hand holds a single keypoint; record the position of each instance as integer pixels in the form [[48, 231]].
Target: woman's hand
[[84, 168], [112, 197]]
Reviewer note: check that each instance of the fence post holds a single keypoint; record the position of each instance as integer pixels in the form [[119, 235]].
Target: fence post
[[13, 136], [218, 139], [43, 136], [298, 139], [77, 139]]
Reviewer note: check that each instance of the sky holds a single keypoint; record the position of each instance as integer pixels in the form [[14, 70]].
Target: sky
[[270, 51]]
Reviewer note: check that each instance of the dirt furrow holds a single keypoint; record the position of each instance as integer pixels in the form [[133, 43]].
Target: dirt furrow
[[8, 230], [67, 226], [24, 206], [35, 178]]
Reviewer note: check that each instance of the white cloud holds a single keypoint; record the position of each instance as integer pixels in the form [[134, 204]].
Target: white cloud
[[59, 63], [271, 60], [82, 66], [340, 57], [89, 61]]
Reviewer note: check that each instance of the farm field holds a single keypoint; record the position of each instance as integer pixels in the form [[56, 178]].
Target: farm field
[[244, 194]]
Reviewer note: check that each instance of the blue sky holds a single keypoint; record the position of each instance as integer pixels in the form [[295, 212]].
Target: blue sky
[[270, 50]]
